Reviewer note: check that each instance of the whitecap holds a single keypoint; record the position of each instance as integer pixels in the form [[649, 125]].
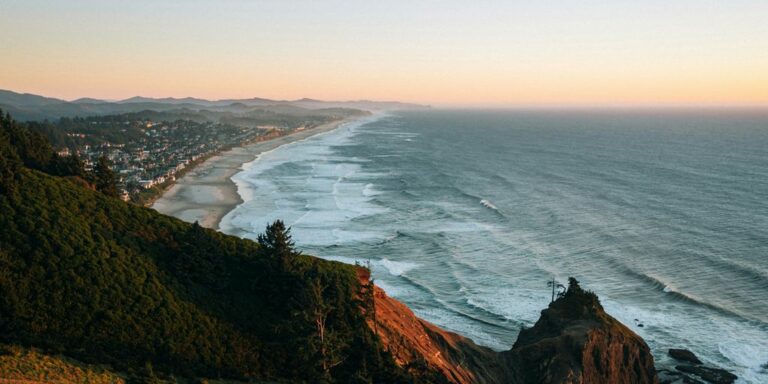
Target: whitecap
[[396, 268], [488, 204], [369, 191]]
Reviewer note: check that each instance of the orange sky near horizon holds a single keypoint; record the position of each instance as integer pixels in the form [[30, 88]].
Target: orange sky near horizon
[[588, 53]]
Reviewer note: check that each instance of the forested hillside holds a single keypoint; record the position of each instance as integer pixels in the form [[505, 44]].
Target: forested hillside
[[103, 281]]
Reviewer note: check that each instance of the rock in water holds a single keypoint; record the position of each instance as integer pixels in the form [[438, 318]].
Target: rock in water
[[674, 377], [576, 341], [710, 375], [684, 355]]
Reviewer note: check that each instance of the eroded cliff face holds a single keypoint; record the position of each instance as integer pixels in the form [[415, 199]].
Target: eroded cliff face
[[574, 341], [417, 344]]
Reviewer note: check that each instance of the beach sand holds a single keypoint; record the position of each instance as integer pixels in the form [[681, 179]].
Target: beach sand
[[206, 193]]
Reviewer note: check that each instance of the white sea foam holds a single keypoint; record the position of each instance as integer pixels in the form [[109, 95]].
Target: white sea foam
[[305, 185], [394, 268], [456, 323], [393, 289], [516, 304], [369, 190], [725, 342], [750, 355], [488, 204]]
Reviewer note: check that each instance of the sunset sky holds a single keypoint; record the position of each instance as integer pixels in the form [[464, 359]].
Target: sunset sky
[[474, 53]]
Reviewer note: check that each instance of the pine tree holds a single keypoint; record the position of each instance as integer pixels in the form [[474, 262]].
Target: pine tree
[[276, 244], [9, 161], [199, 260], [104, 178], [66, 166]]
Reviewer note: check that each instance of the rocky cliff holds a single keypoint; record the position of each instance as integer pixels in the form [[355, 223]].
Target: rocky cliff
[[418, 344], [574, 341]]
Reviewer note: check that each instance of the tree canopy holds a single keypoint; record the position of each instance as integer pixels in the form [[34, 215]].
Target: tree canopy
[[104, 177]]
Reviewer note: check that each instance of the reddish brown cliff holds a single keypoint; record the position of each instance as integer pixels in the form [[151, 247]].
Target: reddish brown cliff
[[417, 343], [575, 341]]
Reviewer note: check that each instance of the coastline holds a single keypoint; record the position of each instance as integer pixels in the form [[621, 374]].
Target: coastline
[[207, 193]]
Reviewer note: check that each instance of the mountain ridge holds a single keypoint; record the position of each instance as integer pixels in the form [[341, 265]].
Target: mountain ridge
[[26, 107]]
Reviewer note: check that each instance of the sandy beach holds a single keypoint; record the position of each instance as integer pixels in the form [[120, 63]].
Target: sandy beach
[[207, 193]]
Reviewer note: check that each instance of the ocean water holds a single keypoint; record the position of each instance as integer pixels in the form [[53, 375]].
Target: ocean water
[[465, 215]]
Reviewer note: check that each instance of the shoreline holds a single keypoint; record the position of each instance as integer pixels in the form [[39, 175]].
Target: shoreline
[[207, 193]]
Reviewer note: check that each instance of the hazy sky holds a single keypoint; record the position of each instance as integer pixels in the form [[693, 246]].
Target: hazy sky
[[549, 52]]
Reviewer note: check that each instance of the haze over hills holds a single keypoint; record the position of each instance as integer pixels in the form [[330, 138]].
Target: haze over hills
[[26, 107]]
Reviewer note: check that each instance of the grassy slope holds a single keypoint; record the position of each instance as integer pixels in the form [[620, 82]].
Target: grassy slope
[[23, 364]]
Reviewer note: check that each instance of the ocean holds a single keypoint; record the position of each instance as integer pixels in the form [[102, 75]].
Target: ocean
[[465, 215]]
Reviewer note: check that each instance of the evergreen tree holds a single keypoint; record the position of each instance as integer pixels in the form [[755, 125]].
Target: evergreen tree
[[31, 148], [198, 260], [19, 145], [9, 161], [573, 284], [277, 245], [104, 178], [66, 166]]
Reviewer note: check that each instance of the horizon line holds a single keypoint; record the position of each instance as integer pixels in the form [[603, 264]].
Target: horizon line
[[444, 105]]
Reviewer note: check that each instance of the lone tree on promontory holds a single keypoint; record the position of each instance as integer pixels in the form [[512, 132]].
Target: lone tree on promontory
[[276, 244]]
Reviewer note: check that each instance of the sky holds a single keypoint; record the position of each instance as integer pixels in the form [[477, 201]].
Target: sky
[[444, 53]]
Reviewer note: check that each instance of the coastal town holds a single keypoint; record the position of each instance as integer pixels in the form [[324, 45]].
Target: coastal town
[[149, 155]]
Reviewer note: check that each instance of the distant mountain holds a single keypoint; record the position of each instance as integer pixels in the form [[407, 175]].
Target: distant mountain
[[88, 100], [304, 103], [26, 99], [254, 101], [27, 107], [166, 100]]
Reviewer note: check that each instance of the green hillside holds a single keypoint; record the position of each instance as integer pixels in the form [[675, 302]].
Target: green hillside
[[106, 282], [30, 366]]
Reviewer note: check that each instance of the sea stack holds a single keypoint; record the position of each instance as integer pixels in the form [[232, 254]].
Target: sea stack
[[576, 341]]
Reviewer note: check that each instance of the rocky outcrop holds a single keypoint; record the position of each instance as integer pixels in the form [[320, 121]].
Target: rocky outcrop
[[693, 371], [684, 355], [574, 341], [709, 374]]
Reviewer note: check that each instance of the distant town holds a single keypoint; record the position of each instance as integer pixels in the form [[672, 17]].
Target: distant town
[[150, 155], [149, 143]]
